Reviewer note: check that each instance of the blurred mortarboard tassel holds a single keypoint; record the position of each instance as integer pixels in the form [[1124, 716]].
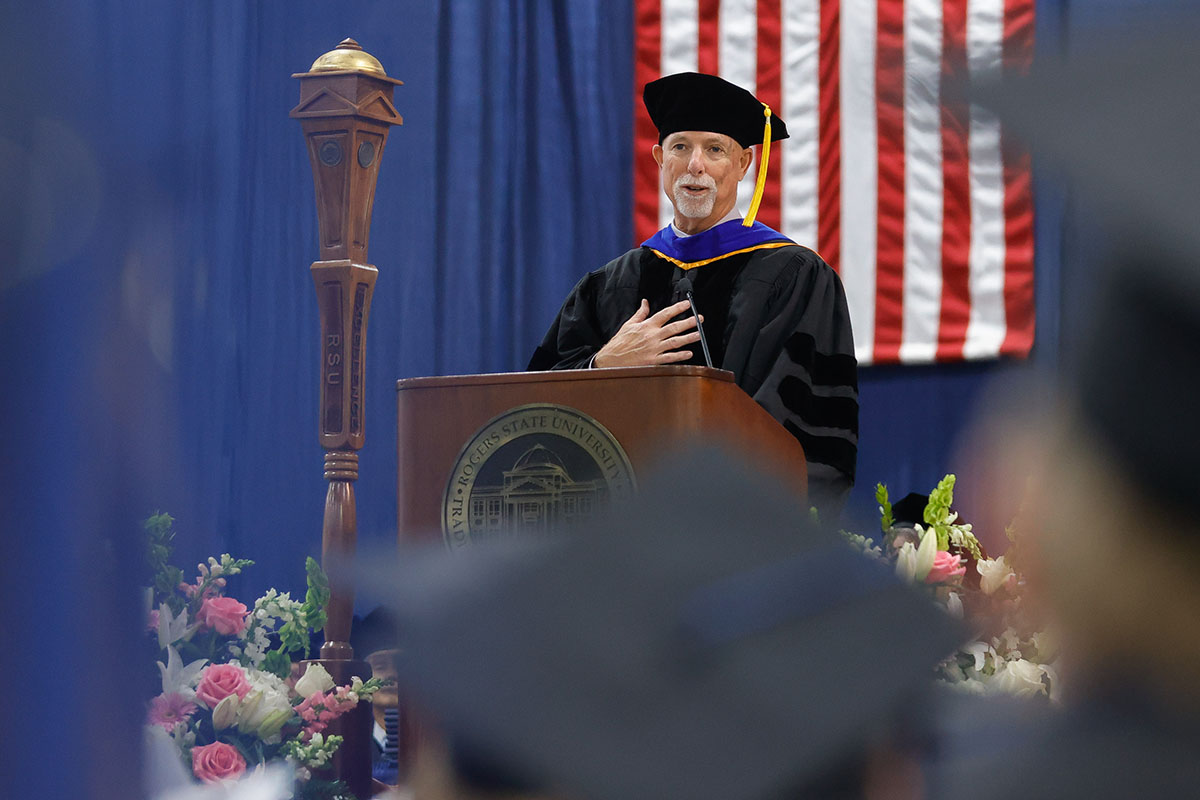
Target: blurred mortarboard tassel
[[1123, 118], [700, 641]]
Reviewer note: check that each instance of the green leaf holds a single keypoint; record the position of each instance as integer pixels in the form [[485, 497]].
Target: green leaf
[[937, 510], [886, 520], [317, 596], [293, 637], [165, 578], [278, 663]]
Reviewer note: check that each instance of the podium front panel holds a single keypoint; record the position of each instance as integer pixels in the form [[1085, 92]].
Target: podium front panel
[[536, 450]]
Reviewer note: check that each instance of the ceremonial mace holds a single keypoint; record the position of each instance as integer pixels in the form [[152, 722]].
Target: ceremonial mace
[[345, 110]]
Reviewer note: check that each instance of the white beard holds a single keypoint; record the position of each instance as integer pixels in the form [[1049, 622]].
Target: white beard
[[691, 206]]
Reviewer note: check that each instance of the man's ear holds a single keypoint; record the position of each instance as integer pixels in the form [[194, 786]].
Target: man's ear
[[747, 160], [658, 153]]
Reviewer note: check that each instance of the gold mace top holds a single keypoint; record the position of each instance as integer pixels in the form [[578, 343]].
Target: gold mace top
[[348, 56]]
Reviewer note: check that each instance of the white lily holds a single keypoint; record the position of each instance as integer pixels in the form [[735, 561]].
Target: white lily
[[906, 562], [248, 717], [178, 678], [273, 723], [226, 712], [926, 553], [993, 573], [172, 628], [258, 706]]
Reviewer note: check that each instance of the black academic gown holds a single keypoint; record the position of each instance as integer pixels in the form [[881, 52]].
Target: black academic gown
[[775, 316]]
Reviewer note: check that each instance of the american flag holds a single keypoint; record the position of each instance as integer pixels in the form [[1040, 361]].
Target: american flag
[[917, 197]]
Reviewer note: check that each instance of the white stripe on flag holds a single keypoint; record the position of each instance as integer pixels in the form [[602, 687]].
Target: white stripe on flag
[[859, 170], [680, 42], [986, 325], [798, 161], [922, 180], [737, 57]]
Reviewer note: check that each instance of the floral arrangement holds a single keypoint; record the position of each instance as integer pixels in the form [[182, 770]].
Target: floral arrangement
[[1009, 653], [232, 698]]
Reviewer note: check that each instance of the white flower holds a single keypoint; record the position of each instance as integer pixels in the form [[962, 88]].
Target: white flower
[[1046, 645], [178, 678], [268, 696], [993, 573], [954, 605], [1020, 677], [269, 730], [315, 679], [171, 628], [980, 651], [1008, 643], [926, 554], [906, 562], [226, 712]]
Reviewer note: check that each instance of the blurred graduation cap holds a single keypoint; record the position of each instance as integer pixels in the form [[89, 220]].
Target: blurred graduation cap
[[910, 509], [694, 101], [376, 631], [1138, 379], [1123, 118], [700, 641]]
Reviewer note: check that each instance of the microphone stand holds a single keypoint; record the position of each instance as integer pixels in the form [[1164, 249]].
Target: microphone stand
[[685, 286]]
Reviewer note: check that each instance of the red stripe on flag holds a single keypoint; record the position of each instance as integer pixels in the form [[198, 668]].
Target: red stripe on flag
[[709, 37], [889, 215], [1018, 196], [829, 157], [956, 190], [647, 38], [769, 89]]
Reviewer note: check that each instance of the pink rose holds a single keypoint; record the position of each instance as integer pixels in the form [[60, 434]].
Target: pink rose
[[217, 762], [218, 681], [945, 568], [223, 614]]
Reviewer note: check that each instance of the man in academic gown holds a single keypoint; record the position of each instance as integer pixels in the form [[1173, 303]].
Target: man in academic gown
[[773, 312]]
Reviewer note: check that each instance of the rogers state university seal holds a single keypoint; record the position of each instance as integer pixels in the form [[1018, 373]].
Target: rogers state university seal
[[533, 469]]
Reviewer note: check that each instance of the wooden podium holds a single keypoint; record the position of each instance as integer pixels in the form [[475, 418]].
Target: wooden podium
[[453, 430]]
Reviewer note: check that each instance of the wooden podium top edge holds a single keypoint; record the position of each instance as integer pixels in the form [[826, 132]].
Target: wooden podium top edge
[[599, 373]]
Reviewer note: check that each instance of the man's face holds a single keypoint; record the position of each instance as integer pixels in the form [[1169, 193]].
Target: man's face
[[700, 174], [383, 665]]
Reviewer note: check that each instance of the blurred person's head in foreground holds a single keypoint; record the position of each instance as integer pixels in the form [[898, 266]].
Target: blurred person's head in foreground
[[1110, 546], [1114, 551], [1107, 536], [1112, 542], [700, 641]]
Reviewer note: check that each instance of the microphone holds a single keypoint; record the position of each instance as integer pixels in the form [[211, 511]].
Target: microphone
[[685, 286]]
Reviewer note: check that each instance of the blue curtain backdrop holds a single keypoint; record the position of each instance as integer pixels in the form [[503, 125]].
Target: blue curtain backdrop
[[157, 224]]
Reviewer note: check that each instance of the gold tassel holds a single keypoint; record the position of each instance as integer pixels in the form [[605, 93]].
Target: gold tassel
[[762, 170]]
